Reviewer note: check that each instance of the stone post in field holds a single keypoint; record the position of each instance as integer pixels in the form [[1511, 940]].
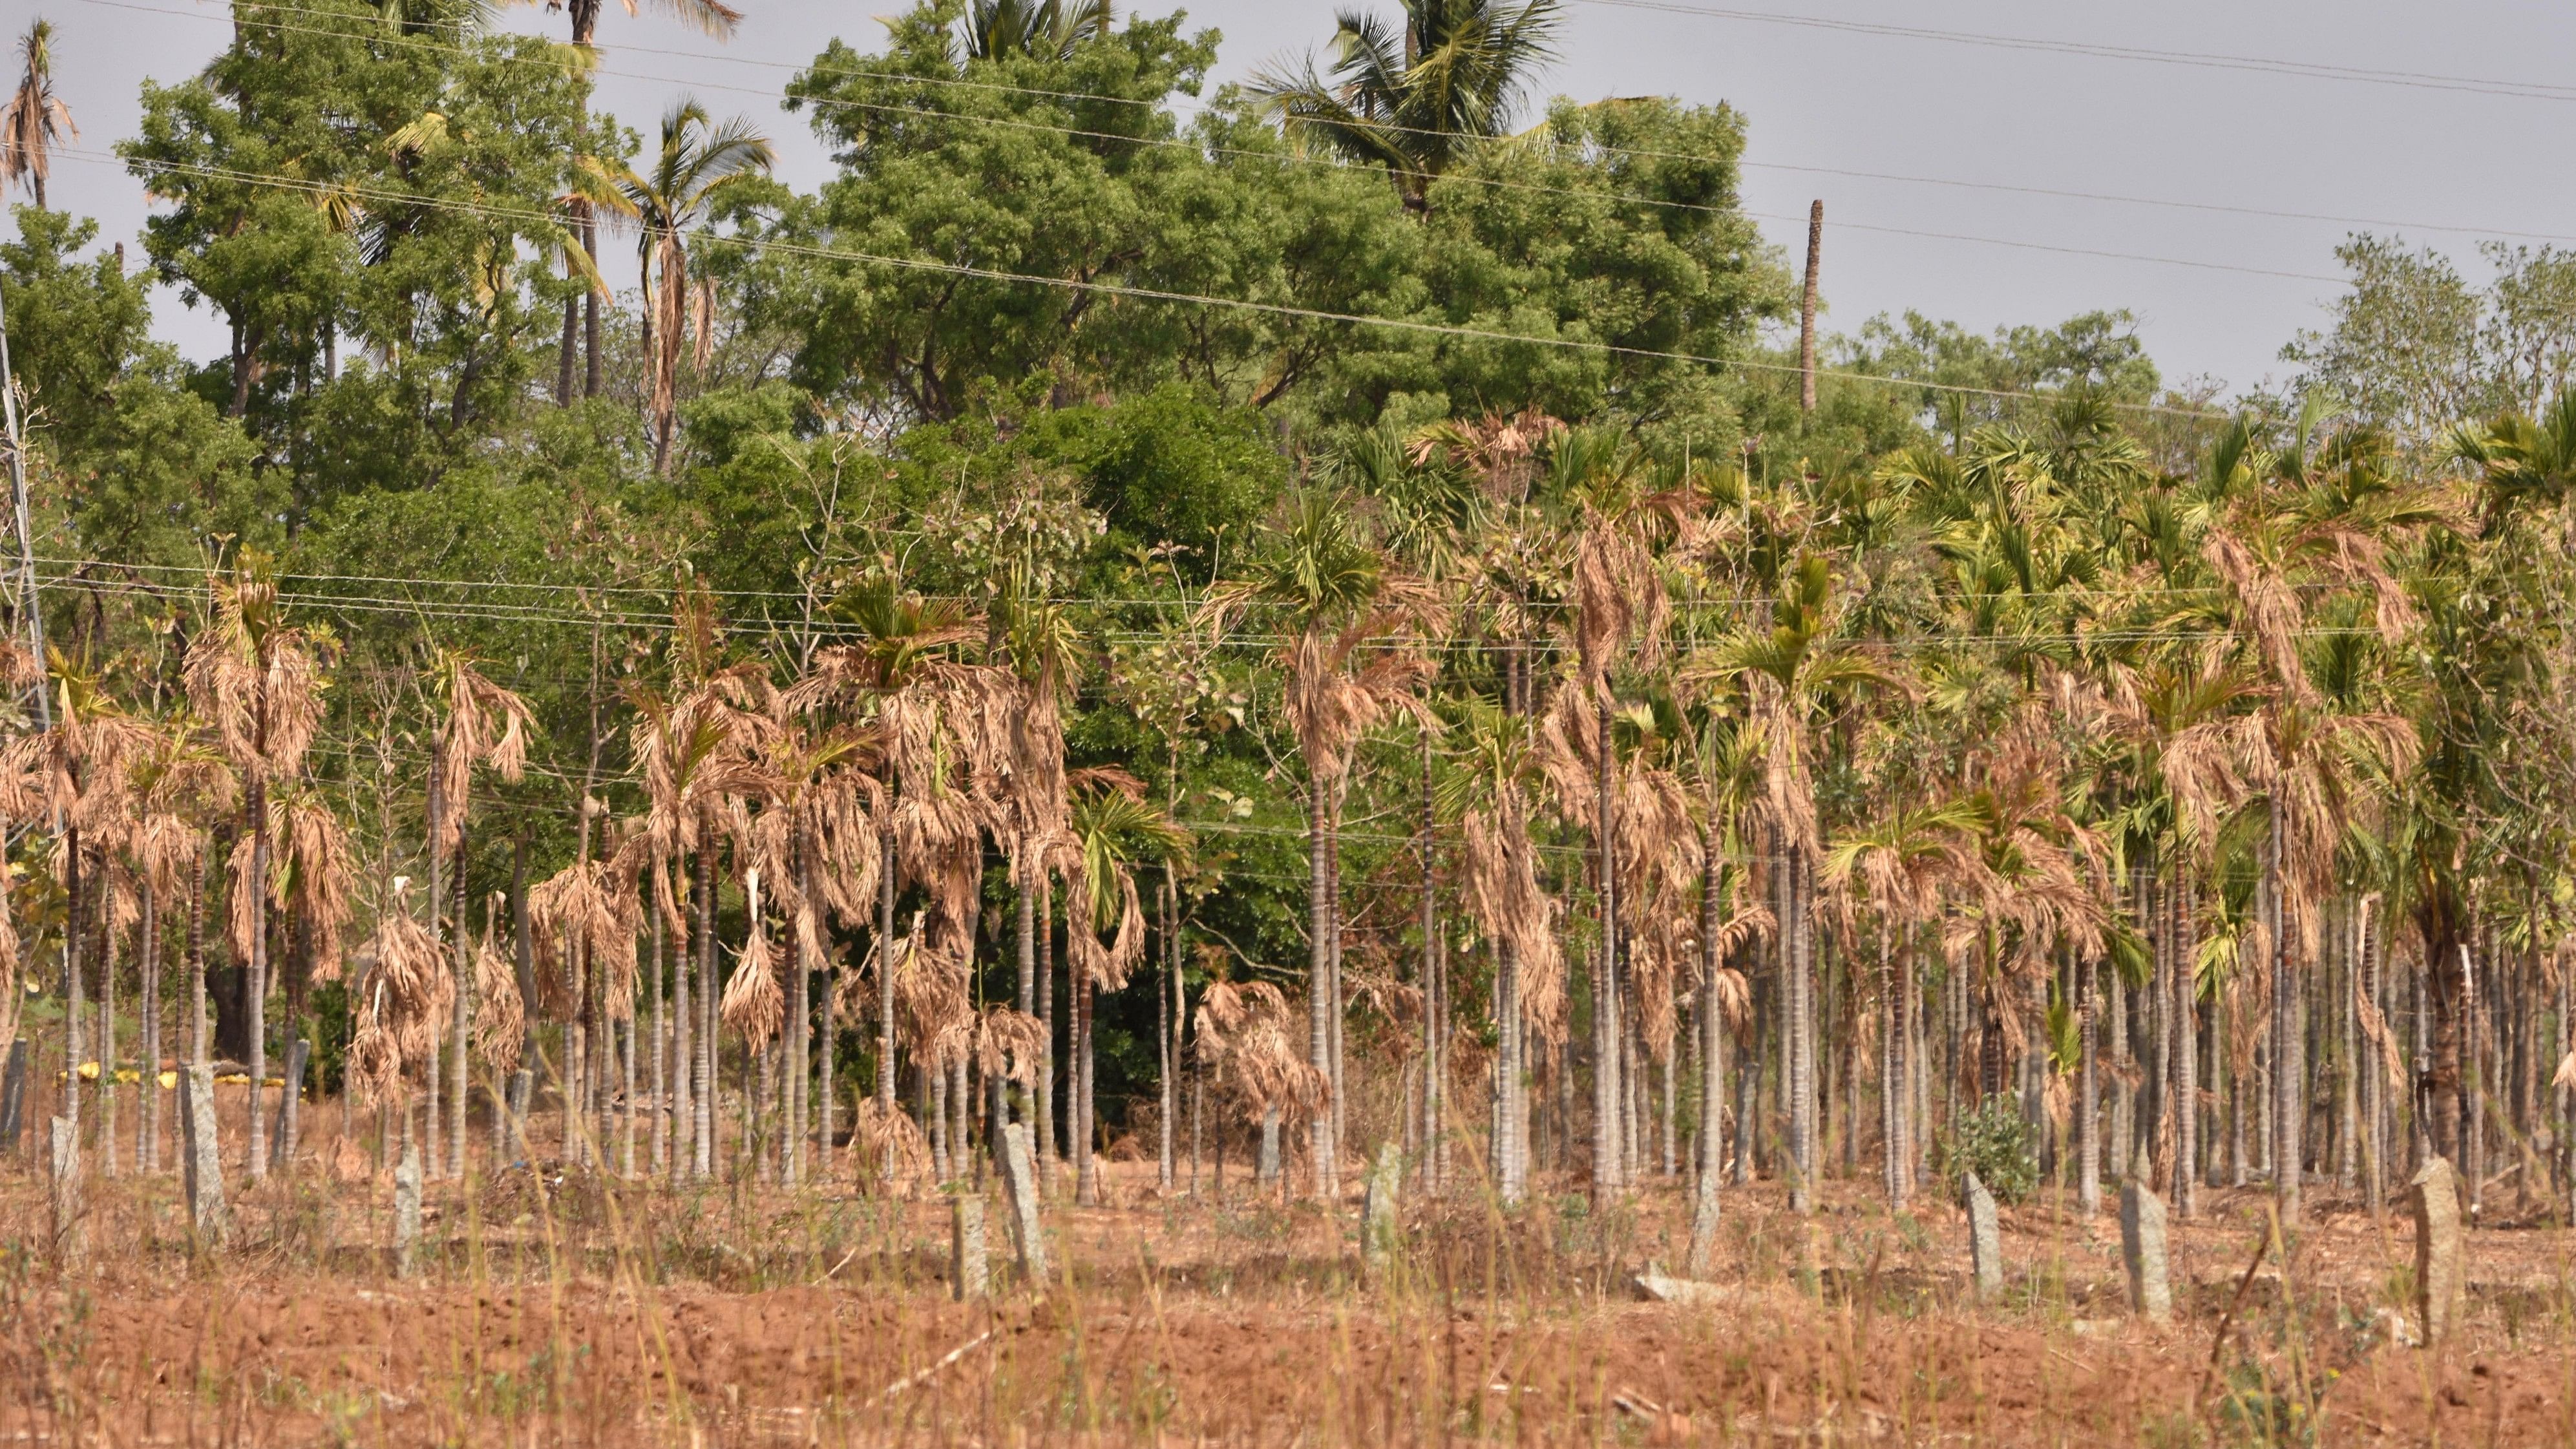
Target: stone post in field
[[1381, 1218], [1985, 1241], [201, 1161], [1019, 1175], [70, 1236], [2142, 1248], [407, 1211], [2441, 1256], [968, 1278], [13, 1097]]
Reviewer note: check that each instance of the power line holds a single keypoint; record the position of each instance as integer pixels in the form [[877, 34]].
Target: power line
[[657, 624], [2311, 70], [526, 216], [1299, 157]]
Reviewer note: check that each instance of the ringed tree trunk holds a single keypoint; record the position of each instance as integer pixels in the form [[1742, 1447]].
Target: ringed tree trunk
[[885, 984], [2289, 1086], [2088, 1109], [147, 1152], [2184, 1091], [255, 990], [75, 992], [702, 1162], [684, 1116], [1510, 1151], [1801, 1046], [1608, 1098], [1320, 993], [1705, 1201]]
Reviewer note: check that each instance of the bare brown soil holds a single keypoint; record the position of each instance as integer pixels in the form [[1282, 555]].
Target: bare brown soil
[[572, 1309]]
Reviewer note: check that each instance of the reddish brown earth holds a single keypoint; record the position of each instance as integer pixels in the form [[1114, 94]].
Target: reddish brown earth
[[574, 1314]]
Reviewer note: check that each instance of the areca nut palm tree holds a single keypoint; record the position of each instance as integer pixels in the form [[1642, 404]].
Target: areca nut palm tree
[[483, 724], [1113, 829], [255, 678], [1413, 95], [1792, 674], [1341, 600]]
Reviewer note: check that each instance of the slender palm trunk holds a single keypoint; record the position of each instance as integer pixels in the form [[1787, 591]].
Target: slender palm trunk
[[703, 1163], [459, 1071], [1320, 994], [2184, 1004], [256, 988], [1166, 995], [2289, 1085], [147, 1150], [1434, 1008], [794, 1055], [1706, 1206], [1046, 1144], [75, 991], [107, 1038], [684, 1112], [199, 1038], [1607, 1096], [1511, 1146], [660, 1080], [2088, 1101], [1086, 1165], [1800, 1086], [885, 983]]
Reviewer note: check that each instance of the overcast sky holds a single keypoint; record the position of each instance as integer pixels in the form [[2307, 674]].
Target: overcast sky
[[2455, 135]]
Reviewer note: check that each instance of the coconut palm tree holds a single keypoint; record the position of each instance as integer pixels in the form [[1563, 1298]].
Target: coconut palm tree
[[718, 21], [698, 166], [1046, 29], [1413, 96], [35, 120], [256, 679]]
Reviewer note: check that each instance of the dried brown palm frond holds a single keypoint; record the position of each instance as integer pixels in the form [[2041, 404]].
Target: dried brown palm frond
[[888, 1145], [1331, 704], [486, 724], [930, 991], [1249, 1035], [253, 677], [1509, 905], [403, 1004], [1502, 451], [582, 909], [1108, 963], [500, 1019], [1008, 1043], [754, 1004], [314, 866], [22, 777], [2272, 611]]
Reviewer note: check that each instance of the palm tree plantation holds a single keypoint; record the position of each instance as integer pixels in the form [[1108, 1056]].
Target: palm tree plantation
[[1285, 762]]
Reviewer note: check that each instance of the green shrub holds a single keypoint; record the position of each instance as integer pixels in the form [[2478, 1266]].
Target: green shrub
[[1998, 1146]]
